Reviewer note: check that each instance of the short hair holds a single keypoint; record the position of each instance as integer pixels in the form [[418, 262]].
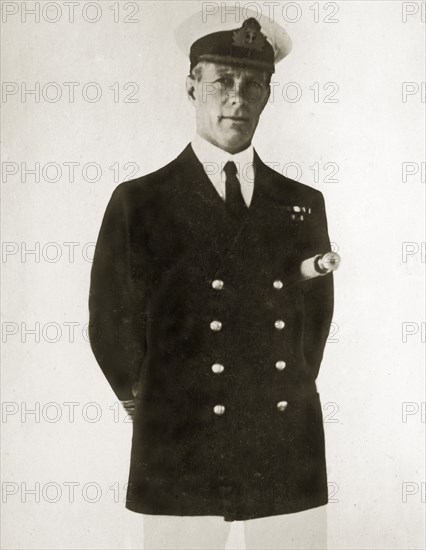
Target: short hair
[[197, 72]]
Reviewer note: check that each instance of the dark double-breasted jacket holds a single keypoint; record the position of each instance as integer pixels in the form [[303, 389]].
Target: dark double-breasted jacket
[[208, 321]]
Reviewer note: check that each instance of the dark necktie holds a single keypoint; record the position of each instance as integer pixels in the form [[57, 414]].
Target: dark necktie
[[234, 198]]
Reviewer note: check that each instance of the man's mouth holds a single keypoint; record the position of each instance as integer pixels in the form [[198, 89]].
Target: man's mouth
[[234, 118]]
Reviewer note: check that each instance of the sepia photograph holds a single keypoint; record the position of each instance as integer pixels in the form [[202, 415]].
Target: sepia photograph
[[213, 259]]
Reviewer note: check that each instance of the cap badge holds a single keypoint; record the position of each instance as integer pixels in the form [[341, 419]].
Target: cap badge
[[249, 36]]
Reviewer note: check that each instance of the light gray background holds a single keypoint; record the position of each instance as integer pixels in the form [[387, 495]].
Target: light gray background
[[368, 370]]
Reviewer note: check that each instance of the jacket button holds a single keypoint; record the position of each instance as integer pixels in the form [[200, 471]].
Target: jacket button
[[279, 324], [280, 365], [217, 368], [282, 405], [215, 326], [219, 409], [217, 284], [278, 284]]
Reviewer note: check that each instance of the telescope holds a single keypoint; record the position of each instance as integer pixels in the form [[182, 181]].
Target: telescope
[[320, 265]]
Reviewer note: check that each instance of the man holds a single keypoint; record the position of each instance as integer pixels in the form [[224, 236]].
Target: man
[[199, 316]]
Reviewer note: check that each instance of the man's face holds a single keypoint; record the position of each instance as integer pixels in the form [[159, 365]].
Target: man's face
[[228, 102]]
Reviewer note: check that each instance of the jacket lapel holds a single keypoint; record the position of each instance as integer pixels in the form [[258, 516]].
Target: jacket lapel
[[220, 235]]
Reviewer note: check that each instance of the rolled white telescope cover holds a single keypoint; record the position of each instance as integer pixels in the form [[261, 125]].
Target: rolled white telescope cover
[[320, 265]]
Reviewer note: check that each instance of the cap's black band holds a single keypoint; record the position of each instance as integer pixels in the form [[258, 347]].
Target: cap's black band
[[222, 47]]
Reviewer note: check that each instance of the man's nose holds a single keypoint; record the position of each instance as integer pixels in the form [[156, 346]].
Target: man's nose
[[236, 95]]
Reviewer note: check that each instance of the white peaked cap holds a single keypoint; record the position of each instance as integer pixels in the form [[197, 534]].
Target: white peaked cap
[[215, 18]]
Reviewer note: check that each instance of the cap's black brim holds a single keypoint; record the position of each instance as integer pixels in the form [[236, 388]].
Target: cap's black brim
[[237, 61]]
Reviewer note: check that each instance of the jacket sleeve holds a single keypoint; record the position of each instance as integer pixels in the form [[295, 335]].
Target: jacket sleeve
[[318, 292], [116, 300]]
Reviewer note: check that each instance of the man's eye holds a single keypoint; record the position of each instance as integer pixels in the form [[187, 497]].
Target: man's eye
[[255, 85], [228, 82]]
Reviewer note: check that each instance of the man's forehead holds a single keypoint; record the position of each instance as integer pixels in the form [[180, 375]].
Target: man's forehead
[[234, 70]]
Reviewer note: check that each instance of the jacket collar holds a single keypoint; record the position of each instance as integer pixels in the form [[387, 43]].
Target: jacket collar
[[264, 180]]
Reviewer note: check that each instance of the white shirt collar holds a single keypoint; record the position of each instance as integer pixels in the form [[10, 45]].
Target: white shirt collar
[[211, 156]]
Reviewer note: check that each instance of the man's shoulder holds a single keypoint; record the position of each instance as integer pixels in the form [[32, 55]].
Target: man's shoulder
[[154, 182], [144, 183], [285, 187]]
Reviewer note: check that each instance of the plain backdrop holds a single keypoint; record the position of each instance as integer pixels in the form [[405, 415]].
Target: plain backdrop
[[372, 377]]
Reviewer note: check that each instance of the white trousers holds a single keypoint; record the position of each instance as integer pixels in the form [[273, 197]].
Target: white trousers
[[302, 531]]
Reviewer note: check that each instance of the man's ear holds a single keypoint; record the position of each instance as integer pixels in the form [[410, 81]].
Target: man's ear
[[190, 89]]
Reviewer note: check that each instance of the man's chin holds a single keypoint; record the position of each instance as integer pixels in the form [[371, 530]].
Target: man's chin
[[235, 141]]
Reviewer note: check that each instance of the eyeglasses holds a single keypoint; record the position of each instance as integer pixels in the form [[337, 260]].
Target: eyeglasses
[[251, 90]]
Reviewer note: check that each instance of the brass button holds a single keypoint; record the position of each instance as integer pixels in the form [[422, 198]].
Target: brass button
[[279, 324], [280, 365], [278, 284], [219, 409], [217, 368], [215, 326], [217, 284], [282, 405]]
